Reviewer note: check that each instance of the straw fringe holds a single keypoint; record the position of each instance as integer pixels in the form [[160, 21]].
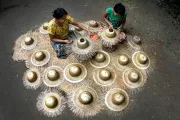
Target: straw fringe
[[84, 54], [132, 44], [46, 112], [140, 87], [52, 54], [85, 113], [118, 82], [109, 44], [69, 87], [56, 87], [32, 86]]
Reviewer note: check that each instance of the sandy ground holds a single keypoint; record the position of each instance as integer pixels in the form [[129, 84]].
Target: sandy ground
[[159, 100]]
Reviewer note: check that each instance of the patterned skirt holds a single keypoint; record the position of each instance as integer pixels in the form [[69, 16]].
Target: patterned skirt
[[60, 48]]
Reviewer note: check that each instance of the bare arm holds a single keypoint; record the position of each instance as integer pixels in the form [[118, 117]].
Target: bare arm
[[124, 22], [58, 40], [122, 25], [105, 18], [80, 26]]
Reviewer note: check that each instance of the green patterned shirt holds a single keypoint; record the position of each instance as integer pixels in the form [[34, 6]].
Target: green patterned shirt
[[116, 21]]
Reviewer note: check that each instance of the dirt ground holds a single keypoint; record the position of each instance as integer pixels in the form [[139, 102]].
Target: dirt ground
[[159, 100]]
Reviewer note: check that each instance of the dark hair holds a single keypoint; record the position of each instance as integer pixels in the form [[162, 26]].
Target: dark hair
[[59, 13], [120, 9]]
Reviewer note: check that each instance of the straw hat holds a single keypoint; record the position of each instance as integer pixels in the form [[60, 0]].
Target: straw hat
[[32, 78], [79, 30], [141, 60], [85, 102], [104, 76], [100, 60], [121, 61], [134, 42], [133, 78], [83, 48], [110, 37], [94, 26], [53, 76], [116, 99], [51, 103], [75, 72], [84, 97], [29, 43], [40, 57], [43, 28]]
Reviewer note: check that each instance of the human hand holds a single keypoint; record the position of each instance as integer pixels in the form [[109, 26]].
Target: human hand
[[90, 33], [110, 26], [120, 28], [68, 41]]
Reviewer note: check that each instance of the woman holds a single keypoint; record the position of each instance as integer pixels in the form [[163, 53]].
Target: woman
[[58, 30]]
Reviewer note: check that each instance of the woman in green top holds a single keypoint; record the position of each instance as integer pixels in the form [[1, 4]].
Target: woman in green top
[[116, 17]]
